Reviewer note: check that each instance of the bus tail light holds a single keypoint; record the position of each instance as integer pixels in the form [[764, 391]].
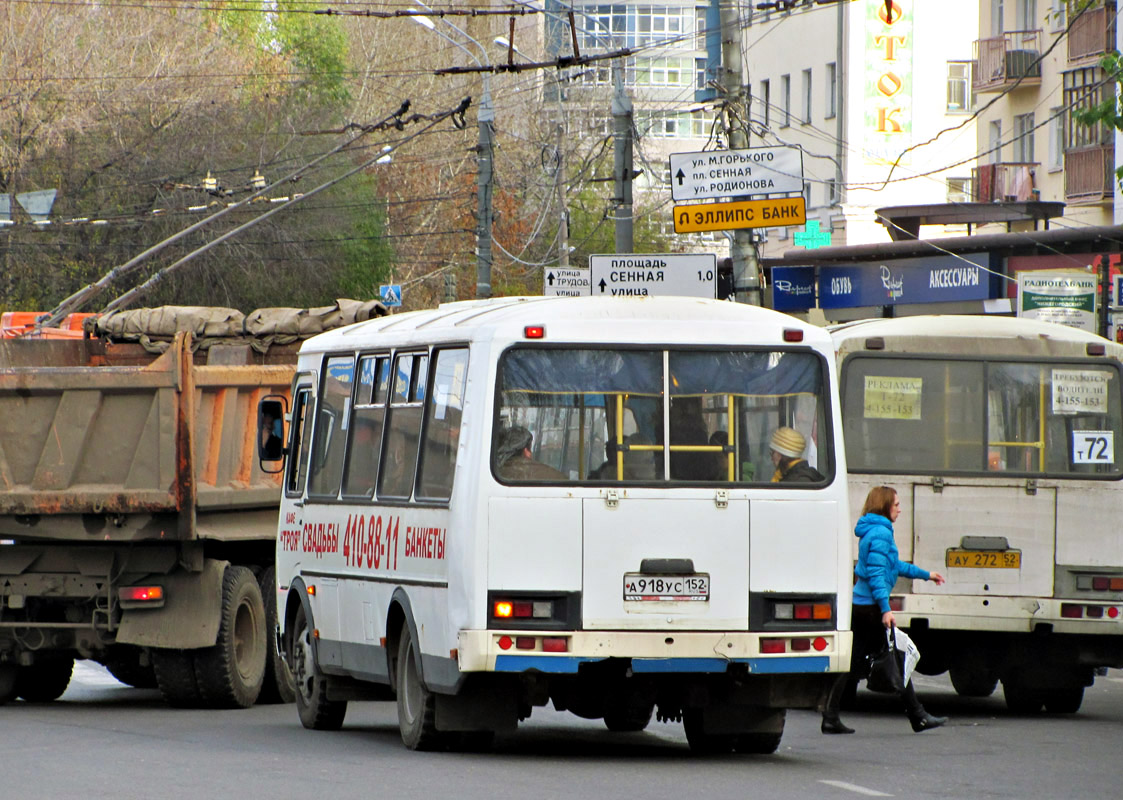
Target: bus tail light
[[555, 644], [535, 331], [792, 613], [896, 604], [773, 646], [801, 645], [531, 610], [525, 642], [1072, 611], [793, 335], [1078, 611]]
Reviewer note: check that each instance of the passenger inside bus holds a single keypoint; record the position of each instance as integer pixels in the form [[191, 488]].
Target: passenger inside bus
[[787, 445], [639, 465], [515, 460], [688, 428]]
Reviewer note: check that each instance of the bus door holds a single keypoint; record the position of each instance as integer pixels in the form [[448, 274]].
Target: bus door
[[995, 539]]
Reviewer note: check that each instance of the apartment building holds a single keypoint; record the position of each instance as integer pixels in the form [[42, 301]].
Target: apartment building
[[879, 98], [1036, 62]]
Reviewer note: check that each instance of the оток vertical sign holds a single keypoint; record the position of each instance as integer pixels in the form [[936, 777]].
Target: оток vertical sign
[[888, 80]]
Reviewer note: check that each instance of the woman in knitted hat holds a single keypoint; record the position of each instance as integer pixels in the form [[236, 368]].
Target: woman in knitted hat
[[787, 446]]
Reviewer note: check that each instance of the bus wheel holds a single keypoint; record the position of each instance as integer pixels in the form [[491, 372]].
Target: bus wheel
[[1064, 701], [44, 681], [417, 708], [701, 742], [977, 682], [278, 686], [627, 717], [316, 711], [761, 743], [1022, 700], [231, 671]]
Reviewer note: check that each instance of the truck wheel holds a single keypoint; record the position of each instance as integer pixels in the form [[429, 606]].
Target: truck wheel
[[1022, 700], [123, 663], [417, 708], [279, 686], [230, 672], [701, 742], [45, 680], [312, 705], [175, 678], [973, 682], [8, 683], [1064, 701]]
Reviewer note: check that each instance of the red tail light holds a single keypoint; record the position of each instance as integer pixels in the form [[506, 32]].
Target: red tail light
[[801, 645], [555, 644], [772, 646], [141, 594], [1072, 611]]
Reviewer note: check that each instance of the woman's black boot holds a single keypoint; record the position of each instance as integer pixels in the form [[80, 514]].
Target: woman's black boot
[[921, 720], [831, 721], [832, 724]]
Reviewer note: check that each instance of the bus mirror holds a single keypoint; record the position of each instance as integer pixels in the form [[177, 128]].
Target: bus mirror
[[271, 430]]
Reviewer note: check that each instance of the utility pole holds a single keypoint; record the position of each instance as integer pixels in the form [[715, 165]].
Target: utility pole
[[746, 267], [622, 161], [484, 214]]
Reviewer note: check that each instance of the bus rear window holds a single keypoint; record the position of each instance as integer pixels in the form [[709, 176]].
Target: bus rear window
[[910, 415], [701, 416]]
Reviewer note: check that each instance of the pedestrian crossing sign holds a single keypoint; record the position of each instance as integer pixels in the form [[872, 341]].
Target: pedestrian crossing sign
[[390, 294]]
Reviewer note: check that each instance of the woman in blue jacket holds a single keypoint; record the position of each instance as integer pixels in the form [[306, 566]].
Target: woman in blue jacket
[[877, 570]]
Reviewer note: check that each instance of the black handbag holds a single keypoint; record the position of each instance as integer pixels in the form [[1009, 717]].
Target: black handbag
[[887, 668]]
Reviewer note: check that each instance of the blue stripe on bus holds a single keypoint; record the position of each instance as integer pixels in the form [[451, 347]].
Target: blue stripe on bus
[[757, 666]]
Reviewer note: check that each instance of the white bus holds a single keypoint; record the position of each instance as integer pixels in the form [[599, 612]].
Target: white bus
[[1003, 437], [495, 505]]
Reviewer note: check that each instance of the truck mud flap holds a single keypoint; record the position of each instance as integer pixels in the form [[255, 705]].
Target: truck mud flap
[[190, 616]]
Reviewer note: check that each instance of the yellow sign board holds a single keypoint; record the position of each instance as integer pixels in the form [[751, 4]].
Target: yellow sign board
[[770, 213], [892, 398]]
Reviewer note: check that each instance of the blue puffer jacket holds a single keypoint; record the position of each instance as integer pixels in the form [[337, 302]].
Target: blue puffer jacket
[[879, 563]]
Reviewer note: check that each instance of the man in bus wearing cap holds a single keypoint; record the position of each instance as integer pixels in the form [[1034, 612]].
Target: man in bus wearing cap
[[787, 446], [515, 460]]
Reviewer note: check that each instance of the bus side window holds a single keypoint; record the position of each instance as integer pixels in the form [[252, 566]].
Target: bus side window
[[403, 428], [443, 415], [300, 446], [366, 427], [326, 470]]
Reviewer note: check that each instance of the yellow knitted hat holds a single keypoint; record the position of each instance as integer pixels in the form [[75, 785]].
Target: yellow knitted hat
[[788, 442]]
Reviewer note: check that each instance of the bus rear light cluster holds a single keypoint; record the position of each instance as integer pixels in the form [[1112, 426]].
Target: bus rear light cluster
[[1099, 583], [543, 644], [798, 644], [523, 609], [1078, 611], [801, 611]]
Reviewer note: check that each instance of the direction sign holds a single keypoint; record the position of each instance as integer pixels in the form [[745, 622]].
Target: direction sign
[[566, 283], [390, 294], [774, 213], [736, 173], [635, 274]]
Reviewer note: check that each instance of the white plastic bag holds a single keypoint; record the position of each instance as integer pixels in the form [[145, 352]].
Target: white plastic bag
[[908, 648]]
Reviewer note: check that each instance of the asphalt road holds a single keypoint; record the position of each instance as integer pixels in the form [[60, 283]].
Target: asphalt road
[[104, 740]]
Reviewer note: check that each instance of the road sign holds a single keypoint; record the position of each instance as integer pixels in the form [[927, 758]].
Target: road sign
[[566, 283], [693, 275], [390, 294], [736, 173], [773, 213]]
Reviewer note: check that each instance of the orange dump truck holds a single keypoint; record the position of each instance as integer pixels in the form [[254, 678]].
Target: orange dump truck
[[137, 527]]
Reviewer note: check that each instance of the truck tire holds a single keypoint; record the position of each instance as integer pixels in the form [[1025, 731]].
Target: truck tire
[[312, 705], [973, 682], [279, 685], [1021, 699], [230, 673], [1064, 701], [417, 707], [8, 683], [123, 663], [175, 678], [45, 680]]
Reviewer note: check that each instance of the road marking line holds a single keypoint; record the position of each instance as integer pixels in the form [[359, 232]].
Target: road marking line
[[853, 787]]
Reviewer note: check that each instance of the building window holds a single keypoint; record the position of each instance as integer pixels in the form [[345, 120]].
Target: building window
[[766, 101], [1057, 15], [959, 87], [785, 100], [1084, 88], [1056, 139], [833, 198], [832, 91], [959, 190], [1026, 15], [1023, 139], [806, 96], [699, 74], [995, 141]]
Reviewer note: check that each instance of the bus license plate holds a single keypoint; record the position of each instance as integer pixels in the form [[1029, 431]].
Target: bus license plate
[[666, 587], [984, 559]]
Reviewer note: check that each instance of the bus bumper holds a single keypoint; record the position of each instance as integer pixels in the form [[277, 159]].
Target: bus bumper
[[653, 652]]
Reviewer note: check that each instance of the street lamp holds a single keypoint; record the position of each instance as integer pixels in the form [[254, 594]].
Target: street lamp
[[485, 117]]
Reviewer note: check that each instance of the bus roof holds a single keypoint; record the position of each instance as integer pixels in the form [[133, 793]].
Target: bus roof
[[640, 320], [967, 326]]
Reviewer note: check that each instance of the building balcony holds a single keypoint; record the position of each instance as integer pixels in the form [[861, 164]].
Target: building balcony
[[1092, 34], [1006, 182], [1090, 174], [1002, 61]]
